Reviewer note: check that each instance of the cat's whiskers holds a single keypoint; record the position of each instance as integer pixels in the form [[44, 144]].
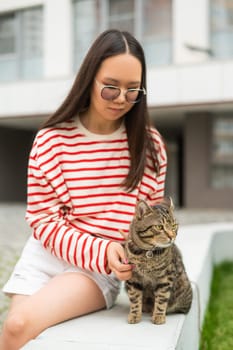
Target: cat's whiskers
[[165, 245]]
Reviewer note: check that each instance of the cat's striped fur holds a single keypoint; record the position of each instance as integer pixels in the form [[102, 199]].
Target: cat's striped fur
[[159, 282]]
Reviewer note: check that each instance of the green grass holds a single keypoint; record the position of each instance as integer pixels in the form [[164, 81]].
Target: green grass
[[217, 332]]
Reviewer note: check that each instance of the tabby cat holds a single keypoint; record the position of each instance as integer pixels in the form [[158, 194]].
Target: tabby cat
[[159, 282]]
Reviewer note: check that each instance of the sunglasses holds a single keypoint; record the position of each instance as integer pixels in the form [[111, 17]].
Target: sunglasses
[[111, 92]]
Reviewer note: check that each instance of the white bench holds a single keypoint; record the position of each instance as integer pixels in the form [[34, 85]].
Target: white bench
[[202, 246]]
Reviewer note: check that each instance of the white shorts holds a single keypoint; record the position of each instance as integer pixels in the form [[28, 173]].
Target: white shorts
[[36, 267]]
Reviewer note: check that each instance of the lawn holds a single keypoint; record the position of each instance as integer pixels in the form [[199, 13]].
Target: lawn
[[217, 331]]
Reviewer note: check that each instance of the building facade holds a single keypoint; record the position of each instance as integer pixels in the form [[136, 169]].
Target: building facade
[[189, 52]]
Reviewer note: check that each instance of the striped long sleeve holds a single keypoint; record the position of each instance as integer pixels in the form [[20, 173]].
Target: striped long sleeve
[[76, 203]]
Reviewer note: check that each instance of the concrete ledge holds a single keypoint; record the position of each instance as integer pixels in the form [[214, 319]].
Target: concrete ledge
[[202, 246]]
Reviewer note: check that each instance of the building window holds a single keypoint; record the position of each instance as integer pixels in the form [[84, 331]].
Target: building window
[[222, 28], [21, 44], [150, 21], [87, 23], [157, 31], [121, 14], [222, 152]]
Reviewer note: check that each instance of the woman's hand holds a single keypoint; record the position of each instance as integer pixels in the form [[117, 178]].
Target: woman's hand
[[117, 261]]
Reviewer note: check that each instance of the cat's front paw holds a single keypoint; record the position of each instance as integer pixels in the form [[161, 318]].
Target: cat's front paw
[[134, 318], [158, 319]]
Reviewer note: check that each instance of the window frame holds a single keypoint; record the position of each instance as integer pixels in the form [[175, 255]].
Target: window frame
[[137, 30], [219, 51], [18, 56], [220, 159]]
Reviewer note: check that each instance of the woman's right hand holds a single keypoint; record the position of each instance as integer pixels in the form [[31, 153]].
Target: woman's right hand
[[117, 261]]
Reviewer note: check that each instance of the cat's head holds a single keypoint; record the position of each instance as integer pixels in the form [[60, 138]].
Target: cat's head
[[154, 227]]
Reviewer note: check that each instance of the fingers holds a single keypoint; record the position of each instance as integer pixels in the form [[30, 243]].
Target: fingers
[[123, 276], [117, 261], [123, 272]]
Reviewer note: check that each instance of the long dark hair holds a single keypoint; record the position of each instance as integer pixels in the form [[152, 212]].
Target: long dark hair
[[110, 43]]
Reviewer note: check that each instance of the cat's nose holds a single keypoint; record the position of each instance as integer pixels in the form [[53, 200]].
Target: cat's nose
[[170, 234]]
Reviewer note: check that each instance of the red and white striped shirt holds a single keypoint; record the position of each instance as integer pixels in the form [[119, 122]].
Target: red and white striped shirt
[[76, 201]]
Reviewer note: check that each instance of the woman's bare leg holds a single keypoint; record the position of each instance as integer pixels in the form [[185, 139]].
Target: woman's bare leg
[[63, 298]]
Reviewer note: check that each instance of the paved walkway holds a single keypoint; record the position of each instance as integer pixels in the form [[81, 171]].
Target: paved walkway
[[14, 233]]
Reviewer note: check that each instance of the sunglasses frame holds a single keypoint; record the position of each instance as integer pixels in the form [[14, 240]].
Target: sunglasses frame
[[103, 86]]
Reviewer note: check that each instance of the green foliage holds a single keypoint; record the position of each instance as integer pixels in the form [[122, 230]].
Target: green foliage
[[217, 332], [8, 259]]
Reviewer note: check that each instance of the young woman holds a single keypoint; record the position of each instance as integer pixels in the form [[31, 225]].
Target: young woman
[[91, 162]]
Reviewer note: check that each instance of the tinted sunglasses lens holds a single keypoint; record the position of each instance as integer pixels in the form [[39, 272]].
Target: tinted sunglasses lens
[[134, 96], [110, 93]]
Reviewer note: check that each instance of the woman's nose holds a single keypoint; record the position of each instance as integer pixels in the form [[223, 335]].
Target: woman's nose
[[122, 97]]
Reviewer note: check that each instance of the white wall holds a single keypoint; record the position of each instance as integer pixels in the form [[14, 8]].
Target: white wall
[[207, 82], [190, 26], [32, 97], [180, 85], [57, 38]]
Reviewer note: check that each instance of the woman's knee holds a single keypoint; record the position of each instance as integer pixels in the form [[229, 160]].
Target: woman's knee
[[15, 324]]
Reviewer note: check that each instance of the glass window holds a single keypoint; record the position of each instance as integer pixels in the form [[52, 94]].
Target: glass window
[[149, 20], [222, 152], [21, 45], [121, 15], [86, 27], [31, 45], [222, 28], [7, 39], [157, 31]]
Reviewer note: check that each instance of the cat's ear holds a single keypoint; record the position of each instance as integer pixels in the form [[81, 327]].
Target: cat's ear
[[142, 209], [169, 202]]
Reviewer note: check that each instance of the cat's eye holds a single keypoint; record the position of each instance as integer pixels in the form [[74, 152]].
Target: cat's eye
[[159, 227]]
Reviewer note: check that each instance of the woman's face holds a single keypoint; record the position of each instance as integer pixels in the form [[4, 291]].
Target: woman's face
[[123, 71]]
